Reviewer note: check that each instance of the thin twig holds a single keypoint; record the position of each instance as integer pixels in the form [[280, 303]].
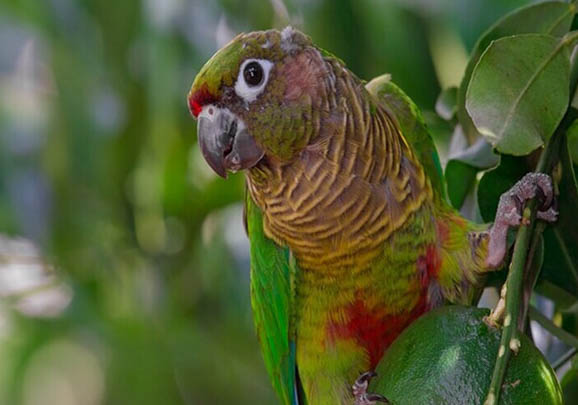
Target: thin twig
[[554, 330], [510, 331], [564, 358]]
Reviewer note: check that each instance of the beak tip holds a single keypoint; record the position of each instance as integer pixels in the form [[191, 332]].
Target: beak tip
[[216, 165]]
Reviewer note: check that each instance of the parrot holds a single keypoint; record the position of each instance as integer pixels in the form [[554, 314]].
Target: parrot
[[351, 234]]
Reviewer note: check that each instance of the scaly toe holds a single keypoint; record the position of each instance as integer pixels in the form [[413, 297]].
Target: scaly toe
[[536, 185], [550, 215], [359, 390], [360, 386]]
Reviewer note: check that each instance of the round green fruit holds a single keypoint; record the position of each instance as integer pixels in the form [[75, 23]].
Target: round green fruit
[[569, 385], [447, 357]]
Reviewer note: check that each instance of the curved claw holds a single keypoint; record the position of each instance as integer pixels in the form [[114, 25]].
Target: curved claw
[[366, 377], [373, 398], [359, 390], [549, 215], [544, 190]]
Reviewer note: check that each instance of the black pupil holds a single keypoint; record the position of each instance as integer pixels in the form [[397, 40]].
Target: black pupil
[[253, 74]]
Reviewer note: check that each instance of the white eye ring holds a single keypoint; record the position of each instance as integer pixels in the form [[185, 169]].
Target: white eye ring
[[250, 93]]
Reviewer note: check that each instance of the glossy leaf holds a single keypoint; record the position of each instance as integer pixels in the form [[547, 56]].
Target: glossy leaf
[[497, 181], [573, 142], [519, 91], [463, 167], [446, 103], [550, 17]]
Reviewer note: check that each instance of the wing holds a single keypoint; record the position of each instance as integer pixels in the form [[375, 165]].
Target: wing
[[271, 291], [412, 126], [463, 262]]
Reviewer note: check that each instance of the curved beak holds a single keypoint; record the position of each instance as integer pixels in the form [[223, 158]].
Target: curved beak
[[225, 141]]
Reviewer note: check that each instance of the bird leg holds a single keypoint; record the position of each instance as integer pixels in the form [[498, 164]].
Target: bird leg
[[510, 210], [359, 390]]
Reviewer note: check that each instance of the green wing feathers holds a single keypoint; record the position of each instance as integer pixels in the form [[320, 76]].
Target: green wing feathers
[[412, 126], [462, 257], [271, 271]]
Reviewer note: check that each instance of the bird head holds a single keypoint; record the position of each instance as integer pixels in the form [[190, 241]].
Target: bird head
[[259, 97]]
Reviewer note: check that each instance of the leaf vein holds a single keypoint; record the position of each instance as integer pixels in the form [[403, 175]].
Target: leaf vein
[[527, 86]]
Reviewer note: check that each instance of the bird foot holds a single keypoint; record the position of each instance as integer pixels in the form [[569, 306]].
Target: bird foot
[[510, 212], [359, 390]]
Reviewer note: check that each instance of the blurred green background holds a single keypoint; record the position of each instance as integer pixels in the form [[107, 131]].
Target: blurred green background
[[124, 273]]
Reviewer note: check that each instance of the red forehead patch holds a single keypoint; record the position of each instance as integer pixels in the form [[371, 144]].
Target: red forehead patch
[[199, 99]]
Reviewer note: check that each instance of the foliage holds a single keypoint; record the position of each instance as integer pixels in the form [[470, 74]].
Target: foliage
[[518, 97]]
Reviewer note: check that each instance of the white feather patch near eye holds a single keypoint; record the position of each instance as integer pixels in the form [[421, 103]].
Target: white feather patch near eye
[[244, 90]]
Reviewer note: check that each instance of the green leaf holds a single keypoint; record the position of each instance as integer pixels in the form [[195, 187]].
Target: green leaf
[[561, 239], [446, 104], [572, 135], [550, 17], [460, 177], [497, 181], [519, 91], [463, 167]]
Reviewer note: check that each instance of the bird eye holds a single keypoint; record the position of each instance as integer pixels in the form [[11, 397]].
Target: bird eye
[[252, 79], [253, 74]]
